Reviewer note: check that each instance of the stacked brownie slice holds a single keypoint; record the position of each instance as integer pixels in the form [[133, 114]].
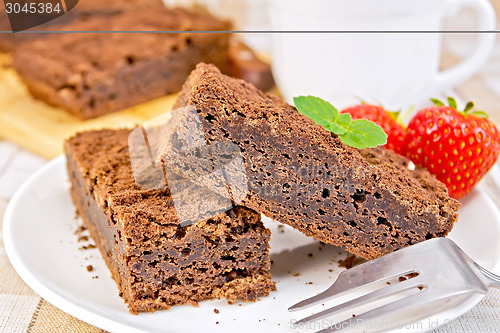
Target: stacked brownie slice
[[156, 262], [366, 201]]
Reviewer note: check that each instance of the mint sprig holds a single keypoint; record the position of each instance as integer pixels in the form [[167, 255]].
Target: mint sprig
[[360, 133]]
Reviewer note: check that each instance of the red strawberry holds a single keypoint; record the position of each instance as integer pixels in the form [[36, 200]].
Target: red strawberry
[[395, 132], [458, 147]]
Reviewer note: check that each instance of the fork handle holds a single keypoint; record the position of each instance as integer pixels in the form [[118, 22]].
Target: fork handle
[[493, 279]]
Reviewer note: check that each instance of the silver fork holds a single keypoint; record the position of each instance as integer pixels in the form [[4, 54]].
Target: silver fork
[[434, 278]]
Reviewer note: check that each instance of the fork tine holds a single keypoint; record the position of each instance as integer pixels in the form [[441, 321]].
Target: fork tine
[[375, 271], [365, 299], [360, 276], [400, 305]]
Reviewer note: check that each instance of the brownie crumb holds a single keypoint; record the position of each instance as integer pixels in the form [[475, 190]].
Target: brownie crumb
[[216, 311], [388, 282], [310, 254], [80, 229], [407, 276], [87, 247], [95, 277], [90, 268], [296, 274], [83, 238], [420, 287], [216, 323], [309, 282], [349, 262], [330, 270]]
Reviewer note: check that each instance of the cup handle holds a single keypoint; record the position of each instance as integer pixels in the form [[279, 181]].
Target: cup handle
[[485, 44]]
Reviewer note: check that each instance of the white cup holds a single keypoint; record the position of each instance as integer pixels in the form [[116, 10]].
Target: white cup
[[395, 69], [248, 15]]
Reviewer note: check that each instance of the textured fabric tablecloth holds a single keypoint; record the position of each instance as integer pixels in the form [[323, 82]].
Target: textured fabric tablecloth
[[21, 309]]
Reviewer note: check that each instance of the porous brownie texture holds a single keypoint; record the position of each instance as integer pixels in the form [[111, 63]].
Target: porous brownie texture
[[155, 262], [92, 74], [366, 201]]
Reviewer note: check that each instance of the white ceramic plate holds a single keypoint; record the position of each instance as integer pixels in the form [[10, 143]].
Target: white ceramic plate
[[40, 241]]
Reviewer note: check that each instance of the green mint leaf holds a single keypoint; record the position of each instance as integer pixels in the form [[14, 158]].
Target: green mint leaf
[[437, 102], [341, 124], [322, 112], [452, 103], [359, 133], [364, 134]]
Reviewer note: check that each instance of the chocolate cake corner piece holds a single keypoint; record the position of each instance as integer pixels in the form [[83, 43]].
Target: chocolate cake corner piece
[[366, 201], [93, 74], [155, 262]]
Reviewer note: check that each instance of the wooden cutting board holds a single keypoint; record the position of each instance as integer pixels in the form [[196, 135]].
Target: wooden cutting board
[[42, 129]]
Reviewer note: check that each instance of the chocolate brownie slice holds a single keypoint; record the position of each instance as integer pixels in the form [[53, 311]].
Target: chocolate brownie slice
[[92, 74], [155, 262], [366, 201]]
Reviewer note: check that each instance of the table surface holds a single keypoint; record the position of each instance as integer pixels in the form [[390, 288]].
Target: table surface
[[22, 310]]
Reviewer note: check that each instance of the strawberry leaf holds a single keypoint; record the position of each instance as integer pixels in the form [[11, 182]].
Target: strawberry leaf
[[480, 114], [364, 134], [322, 112], [468, 107], [437, 102], [452, 103]]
